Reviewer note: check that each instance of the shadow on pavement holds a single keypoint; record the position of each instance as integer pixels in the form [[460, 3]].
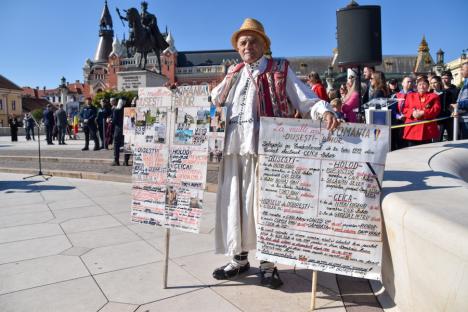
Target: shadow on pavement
[[418, 181], [293, 283], [30, 186]]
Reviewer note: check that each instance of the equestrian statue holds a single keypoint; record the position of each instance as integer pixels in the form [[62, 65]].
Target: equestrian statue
[[144, 34]]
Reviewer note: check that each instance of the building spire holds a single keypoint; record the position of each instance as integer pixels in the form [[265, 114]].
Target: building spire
[[423, 46], [106, 34], [106, 20]]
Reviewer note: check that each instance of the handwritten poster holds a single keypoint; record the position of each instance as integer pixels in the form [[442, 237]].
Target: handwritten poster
[[188, 157], [172, 133], [150, 156], [319, 196]]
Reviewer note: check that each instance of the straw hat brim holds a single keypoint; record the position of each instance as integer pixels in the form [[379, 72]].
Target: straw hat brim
[[236, 35]]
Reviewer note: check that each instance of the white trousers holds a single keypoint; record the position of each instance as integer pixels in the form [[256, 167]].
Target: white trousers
[[235, 205]]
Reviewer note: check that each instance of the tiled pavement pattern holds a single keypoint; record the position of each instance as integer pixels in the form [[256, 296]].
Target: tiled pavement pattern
[[68, 245]]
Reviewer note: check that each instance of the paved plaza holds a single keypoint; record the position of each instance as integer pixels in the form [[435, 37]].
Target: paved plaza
[[68, 244]]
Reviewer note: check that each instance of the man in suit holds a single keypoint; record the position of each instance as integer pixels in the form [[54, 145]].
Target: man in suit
[[48, 120]]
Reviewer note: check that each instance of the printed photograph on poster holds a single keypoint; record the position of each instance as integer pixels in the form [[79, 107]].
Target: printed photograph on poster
[[215, 147], [129, 124], [184, 208], [192, 125], [171, 196], [130, 119], [217, 118], [151, 125]]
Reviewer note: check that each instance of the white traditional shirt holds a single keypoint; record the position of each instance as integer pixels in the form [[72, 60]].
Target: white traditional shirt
[[242, 124]]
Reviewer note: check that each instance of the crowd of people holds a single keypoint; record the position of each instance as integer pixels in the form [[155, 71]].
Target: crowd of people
[[414, 99], [104, 126]]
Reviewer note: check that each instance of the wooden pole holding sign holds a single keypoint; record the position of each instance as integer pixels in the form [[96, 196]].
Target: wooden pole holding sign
[[314, 290], [166, 257]]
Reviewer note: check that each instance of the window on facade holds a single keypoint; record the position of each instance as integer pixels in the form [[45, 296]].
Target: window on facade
[[1, 104], [13, 105]]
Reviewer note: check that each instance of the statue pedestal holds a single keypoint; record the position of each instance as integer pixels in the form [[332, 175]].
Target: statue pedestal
[[132, 80]]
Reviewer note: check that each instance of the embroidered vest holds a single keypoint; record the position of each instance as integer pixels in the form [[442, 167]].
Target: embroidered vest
[[271, 87]]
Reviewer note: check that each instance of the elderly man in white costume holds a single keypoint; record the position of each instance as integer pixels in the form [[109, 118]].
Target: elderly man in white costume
[[259, 86]]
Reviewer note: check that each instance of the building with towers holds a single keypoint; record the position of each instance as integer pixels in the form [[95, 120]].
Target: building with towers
[[209, 67]]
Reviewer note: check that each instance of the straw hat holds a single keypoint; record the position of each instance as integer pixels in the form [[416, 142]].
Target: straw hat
[[251, 24]]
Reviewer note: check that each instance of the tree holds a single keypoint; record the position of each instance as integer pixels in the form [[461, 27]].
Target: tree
[[127, 95], [37, 114]]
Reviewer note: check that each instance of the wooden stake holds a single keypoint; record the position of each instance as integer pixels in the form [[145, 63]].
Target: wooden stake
[[166, 257], [314, 290]]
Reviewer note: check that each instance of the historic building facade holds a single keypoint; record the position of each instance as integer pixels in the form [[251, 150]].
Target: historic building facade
[[10, 101], [210, 67]]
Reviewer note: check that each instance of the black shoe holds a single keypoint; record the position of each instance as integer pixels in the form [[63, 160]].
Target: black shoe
[[115, 163], [85, 149], [63, 143], [221, 274], [96, 149], [273, 281]]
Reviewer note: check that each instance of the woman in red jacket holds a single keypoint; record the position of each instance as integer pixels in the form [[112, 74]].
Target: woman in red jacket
[[420, 106], [317, 87]]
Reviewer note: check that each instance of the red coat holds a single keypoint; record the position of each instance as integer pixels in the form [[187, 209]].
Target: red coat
[[430, 103], [319, 89]]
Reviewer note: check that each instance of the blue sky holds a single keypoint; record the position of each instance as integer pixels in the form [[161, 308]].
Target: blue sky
[[45, 40]]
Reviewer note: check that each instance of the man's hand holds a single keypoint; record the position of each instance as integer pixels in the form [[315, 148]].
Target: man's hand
[[171, 86], [330, 119], [454, 109]]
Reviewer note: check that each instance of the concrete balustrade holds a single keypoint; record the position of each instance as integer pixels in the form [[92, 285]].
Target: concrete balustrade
[[425, 209]]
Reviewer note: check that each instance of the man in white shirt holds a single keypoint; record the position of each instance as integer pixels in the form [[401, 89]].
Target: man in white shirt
[[248, 93]]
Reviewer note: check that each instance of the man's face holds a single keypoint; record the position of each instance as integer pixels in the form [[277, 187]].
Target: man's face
[[250, 46], [407, 84], [367, 73], [446, 80], [464, 70]]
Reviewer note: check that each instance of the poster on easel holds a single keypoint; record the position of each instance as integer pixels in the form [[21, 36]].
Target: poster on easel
[[319, 196], [172, 137]]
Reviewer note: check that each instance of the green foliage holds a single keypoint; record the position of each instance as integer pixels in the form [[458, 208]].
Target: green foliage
[[127, 95], [37, 114]]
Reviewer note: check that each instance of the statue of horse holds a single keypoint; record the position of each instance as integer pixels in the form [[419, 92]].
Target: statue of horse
[[144, 39]]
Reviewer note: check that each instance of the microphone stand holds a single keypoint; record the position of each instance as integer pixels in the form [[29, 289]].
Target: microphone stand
[[39, 174]]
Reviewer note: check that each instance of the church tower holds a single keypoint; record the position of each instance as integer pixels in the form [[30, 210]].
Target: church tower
[[424, 61], [106, 35]]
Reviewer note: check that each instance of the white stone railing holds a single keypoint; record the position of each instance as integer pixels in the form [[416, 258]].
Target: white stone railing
[[425, 209], [200, 70]]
